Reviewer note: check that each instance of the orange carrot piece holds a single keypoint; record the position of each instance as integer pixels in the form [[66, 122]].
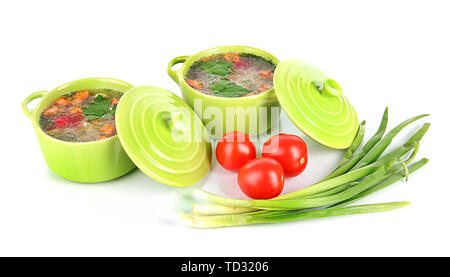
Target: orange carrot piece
[[268, 74], [102, 137], [75, 101], [195, 84], [230, 57], [62, 101], [107, 129], [264, 87], [207, 59], [82, 94], [52, 110], [76, 110], [114, 101]]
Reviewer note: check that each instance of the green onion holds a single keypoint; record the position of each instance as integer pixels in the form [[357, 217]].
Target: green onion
[[330, 183], [366, 148], [244, 219], [209, 209], [355, 143], [379, 148], [395, 168], [332, 191], [407, 146], [384, 183]]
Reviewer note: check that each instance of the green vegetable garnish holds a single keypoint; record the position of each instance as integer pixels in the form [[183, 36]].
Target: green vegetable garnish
[[99, 108], [220, 67], [226, 88]]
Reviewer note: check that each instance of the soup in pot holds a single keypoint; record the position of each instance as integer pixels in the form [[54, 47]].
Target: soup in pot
[[231, 75], [82, 116]]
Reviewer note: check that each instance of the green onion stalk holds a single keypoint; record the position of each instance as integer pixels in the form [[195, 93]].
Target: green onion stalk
[[227, 220], [375, 147], [349, 162]]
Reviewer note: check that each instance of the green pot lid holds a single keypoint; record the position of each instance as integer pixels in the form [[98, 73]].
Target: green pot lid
[[163, 136], [315, 104]]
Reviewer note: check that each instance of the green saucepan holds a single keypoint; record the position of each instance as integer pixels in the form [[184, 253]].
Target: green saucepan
[[251, 114], [85, 162]]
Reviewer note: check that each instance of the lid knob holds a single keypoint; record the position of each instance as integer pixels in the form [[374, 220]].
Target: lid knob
[[315, 104], [331, 88], [177, 122]]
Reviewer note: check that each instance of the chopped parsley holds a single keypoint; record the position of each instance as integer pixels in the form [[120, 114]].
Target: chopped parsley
[[226, 88], [220, 67], [99, 108]]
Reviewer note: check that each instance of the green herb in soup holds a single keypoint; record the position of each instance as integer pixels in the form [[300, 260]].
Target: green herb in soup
[[100, 107], [82, 116], [219, 67], [231, 75], [226, 88]]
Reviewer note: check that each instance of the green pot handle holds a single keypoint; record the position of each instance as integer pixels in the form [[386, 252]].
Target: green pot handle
[[30, 98], [173, 73]]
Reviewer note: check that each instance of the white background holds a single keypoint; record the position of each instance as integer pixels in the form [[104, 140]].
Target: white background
[[387, 53]]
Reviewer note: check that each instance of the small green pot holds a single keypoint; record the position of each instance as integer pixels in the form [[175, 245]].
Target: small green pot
[[85, 162], [243, 119]]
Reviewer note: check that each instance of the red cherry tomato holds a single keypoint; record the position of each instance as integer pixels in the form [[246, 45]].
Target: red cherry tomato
[[261, 178], [234, 150], [289, 150]]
